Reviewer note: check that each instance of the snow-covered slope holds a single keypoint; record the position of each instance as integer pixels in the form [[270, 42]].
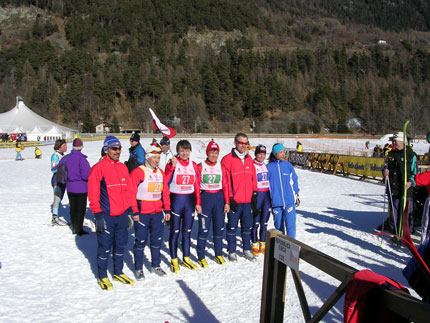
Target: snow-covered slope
[[49, 275]]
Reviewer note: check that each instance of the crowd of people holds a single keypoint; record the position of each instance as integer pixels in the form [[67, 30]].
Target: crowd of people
[[155, 188]]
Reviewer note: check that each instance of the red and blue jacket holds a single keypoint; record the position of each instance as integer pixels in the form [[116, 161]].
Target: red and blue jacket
[[239, 179], [108, 187]]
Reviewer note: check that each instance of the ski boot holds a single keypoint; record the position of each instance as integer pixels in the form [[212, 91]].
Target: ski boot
[[249, 256], [174, 266], [203, 263], [262, 247], [255, 249], [139, 274], [186, 262], [158, 271], [123, 278], [105, 283], [232, 257], [219, 260], [56, 220]]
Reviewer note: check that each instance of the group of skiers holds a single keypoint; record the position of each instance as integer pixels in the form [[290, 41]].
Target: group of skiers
[[164, 188]]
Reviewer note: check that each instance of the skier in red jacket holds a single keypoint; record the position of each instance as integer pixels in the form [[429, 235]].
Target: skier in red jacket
[[110, 201], [240, 194]]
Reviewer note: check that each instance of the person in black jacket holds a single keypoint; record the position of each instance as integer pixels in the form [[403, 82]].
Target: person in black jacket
[[395, 171]]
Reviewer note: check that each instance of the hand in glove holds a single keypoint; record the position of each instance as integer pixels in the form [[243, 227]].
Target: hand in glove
[[100, 222], [233, 205], [254, 200], [297, 200]]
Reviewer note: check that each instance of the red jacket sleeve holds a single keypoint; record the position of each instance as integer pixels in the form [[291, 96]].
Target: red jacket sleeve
[[94, 180], [197, 185], [169, 171], [166, 193], [254, 178], [226, 178], [137, 176]]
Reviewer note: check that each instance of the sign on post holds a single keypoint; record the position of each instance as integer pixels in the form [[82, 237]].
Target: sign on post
[[286, 252]]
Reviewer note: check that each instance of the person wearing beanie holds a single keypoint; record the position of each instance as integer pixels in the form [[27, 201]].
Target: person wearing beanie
[[150, 197], [261, 212], [78, 170], [60, 147], [395, 172], [183, 177], [240, 195], [109, 197], [166, 153], [212, 205], [137, 153], [284, 191]]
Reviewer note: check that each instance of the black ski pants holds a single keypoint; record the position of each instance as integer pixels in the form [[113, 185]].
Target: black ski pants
[[78, 206]]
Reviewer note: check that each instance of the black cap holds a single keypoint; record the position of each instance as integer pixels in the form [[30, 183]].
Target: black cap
[[135, 137], [260, 149], [165, 141]]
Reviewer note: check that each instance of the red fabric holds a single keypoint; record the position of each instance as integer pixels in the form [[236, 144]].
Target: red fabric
[[355, 306], [423, 179], [114, 198], [137, 176], [238, 178], [212, 145], [171, 169]]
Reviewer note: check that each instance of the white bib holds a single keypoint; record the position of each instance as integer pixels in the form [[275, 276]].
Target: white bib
[[261, 172], [211, 177], [183, 179], [152, 187]]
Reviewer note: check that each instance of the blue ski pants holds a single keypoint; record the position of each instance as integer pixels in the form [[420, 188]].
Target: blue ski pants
[[113, 238], [152, 224], [243, 214], [212, 212], [285, 218], [261, 219], [182, 209], [394, 214]]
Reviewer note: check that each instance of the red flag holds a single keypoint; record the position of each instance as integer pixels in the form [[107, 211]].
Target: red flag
[[165, 130]]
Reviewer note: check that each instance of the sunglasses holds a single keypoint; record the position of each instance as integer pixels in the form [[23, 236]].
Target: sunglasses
[[116, 148], [156, 152], [243, 143]]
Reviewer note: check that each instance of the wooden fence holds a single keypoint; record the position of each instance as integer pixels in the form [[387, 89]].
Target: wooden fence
[[274, 284]]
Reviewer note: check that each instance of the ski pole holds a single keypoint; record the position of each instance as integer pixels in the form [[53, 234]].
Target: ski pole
[[392, 205]]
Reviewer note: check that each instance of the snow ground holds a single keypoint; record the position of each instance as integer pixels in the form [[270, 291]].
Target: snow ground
[[49, 275]]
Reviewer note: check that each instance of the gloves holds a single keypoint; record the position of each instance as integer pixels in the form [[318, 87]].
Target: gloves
[[233, 205], [297, 200], [170, 219], [100, 222], [254, 200]]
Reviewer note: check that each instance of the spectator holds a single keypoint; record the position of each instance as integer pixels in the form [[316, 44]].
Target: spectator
[[37, 153], [60, 148], [78, 170], [166, 153], [395, 171], [137, 153]]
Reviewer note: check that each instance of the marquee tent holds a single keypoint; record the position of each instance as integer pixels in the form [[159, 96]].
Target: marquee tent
[[22, 120]]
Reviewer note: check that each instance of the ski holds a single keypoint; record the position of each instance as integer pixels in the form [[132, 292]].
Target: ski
[[405, 178], [407, 241]]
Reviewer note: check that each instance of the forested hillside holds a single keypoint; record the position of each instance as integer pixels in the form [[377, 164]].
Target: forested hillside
[[291, 66]]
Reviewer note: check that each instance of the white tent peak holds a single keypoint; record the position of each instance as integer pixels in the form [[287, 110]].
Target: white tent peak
[[22, 118]]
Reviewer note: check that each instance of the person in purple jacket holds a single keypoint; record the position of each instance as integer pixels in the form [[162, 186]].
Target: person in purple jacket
[[78, 170]]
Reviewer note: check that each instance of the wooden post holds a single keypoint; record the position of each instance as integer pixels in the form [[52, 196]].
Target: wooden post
[[274, 279]]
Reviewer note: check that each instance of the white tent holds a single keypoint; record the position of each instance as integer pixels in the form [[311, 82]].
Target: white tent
[[22, 120]]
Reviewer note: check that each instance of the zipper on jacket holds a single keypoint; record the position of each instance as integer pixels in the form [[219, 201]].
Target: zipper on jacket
[[282, 189]]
